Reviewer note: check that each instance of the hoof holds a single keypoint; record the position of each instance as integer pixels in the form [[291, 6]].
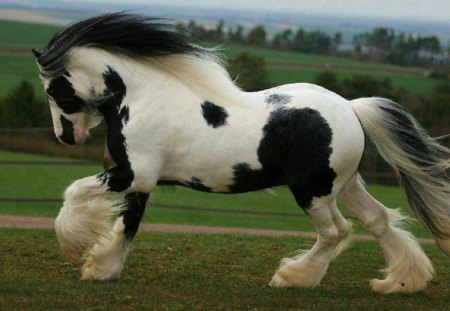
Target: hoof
[[293, 273], [91, 270], [390, 287], [104, 261], [278, 281]]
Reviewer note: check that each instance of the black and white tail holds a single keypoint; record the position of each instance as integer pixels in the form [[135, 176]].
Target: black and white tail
[[421, 164]]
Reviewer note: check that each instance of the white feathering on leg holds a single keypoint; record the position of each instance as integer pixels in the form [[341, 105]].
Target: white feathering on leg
[[80, 225]]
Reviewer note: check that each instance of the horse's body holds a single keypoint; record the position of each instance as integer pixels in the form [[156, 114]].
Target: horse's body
[[175, 118]]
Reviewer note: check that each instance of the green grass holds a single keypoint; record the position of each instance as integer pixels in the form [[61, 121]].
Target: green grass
[[201, 272], [270, 55], [15, 68], [49, 181], [17, 34], [413, 84]]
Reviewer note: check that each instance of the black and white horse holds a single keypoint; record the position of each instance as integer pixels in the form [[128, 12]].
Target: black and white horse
[[174, 117]]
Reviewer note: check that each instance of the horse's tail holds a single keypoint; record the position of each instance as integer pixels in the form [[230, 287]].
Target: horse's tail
[[420, 163]]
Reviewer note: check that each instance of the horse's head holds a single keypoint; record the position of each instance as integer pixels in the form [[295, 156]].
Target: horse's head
[[73, 113], [85, 65]]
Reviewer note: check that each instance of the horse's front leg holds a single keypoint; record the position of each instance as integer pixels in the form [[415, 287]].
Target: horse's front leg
[[105, 259]]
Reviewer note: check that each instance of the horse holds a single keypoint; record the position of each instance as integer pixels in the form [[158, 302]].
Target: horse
[[175, 117]]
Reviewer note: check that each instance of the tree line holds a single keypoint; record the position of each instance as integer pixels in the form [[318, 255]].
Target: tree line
[[316, 42], [385, 45], [382, 44]]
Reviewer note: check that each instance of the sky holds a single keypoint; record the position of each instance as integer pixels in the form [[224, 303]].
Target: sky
[[428, 10]]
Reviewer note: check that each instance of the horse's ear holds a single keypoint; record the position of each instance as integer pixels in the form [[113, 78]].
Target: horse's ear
[[36, 53]]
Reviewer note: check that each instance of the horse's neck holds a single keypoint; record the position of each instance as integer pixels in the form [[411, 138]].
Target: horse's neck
[[205, 78], [159, 83]]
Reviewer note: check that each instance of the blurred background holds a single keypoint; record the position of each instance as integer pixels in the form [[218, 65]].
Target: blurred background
[[396, 49]]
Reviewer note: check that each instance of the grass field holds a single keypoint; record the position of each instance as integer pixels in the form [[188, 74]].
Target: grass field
[[14, 69], [413, 84], [17, 34], [275, 56], [200, 272], [49, 181], [17, 66]]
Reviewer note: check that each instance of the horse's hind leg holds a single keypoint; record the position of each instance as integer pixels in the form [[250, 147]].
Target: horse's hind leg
[[408, 269], [308, 269], [106, 258]]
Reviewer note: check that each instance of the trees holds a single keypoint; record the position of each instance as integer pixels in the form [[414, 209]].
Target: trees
[[20, 108], [283, 40], [337, 40], [384, 44], [257, 36], [381, 44], [433, 110], [356, 86], [312, 42], [249, 71], [365, 86], [329, 81], [237, 36]]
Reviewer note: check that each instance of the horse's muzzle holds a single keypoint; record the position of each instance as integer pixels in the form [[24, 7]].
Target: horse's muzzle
[[70, 135]]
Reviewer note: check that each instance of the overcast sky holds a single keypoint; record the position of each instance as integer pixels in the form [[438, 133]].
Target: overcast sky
[[412, 9]]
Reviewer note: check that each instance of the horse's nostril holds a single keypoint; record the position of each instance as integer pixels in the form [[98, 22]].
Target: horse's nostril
[[67, 131], [66, 139]]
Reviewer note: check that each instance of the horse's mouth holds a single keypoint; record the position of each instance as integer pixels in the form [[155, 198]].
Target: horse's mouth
[[77, 137]]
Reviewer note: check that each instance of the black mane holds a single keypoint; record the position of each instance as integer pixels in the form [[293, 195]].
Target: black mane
[[123, 33]]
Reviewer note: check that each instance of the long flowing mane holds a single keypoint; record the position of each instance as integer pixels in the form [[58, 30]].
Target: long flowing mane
[[119, 33], [140, 37]]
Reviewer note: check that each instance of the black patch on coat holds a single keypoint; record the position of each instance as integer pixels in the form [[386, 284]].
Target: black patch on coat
[[67, 134], [120, 177], [115, 92], [197, 184], [124, 114], [214, 115], [134, 208], [278, 99], [63, 93], [247, 179], [295, 150]]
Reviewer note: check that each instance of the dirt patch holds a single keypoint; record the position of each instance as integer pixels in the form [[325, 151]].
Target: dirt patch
[[26, 222]]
